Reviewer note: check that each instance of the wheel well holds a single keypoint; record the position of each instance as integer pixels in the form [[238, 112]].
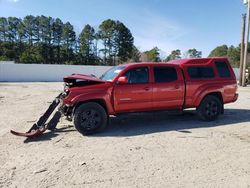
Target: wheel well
[[99, 101], [219, 96]]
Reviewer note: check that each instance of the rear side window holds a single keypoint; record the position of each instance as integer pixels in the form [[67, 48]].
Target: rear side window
[[165, 74], [223, 69], [137, 75], [200, 72]]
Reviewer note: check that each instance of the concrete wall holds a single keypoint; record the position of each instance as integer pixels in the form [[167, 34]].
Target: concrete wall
[[11, 72]]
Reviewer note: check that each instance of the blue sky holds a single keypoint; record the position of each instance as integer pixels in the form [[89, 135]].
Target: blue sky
[[167, 24]]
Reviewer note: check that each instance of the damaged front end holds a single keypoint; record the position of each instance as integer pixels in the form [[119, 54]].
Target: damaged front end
[[72, 85], [61, 104]]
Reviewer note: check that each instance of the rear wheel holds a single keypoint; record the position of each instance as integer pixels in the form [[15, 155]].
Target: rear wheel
[[210, 108], [90, 118]]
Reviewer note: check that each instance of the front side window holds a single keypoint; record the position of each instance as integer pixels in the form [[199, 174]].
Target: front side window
[[165, 74], [223, 69], [137, 75], [200, 72]]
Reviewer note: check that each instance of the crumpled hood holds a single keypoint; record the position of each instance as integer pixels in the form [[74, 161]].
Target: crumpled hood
[[81, 77]]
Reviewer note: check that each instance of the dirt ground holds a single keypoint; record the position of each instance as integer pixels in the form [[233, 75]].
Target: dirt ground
[[137, 150]]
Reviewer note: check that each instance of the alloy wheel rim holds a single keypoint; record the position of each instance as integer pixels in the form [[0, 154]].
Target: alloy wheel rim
[[90, 119], [211, 108]]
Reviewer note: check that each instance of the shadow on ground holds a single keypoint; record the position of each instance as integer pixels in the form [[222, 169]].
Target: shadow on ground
[[50, 134], [147, 123], [152, 122]]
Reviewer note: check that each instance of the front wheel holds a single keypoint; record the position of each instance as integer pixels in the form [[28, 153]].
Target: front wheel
[[90, 118], [210, 108]]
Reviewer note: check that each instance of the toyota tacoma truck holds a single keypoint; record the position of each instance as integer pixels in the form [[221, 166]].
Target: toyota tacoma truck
[[205, 84]]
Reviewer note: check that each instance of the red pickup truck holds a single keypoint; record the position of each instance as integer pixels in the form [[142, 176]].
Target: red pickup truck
[[205, 84]]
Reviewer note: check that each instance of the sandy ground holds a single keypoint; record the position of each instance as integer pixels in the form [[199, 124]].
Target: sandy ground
[[139, 150]]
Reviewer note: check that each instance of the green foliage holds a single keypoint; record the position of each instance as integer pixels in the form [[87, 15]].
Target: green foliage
[[87, 48], [30, 25], [31, 55], [193, 53], [9, 51], [13, 24], [136, 55], [3, 29], [4, 58], [232, 53], [117, 42], [42, 39], [69, 62], [220, 51], [68, 35], [57, 30], [123, 42], [175, 54], [106, 34], [153, 55]]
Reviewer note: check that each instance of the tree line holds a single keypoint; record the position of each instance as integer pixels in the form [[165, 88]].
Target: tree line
[[42, 39], [154, 55], [230, 52]]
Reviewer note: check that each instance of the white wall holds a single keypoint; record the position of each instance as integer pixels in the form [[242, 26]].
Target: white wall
[[10, 72]]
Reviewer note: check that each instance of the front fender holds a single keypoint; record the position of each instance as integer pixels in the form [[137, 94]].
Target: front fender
[[106, 98]]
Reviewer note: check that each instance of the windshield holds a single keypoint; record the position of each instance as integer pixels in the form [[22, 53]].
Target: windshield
[[111, 73]]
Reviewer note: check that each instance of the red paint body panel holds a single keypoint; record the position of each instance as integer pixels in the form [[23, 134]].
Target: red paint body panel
[[197, 89], [184, 92], [169, 95], [129, 98]]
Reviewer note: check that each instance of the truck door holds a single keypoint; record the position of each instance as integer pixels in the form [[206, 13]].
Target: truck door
[[168, 87], [136, 95]]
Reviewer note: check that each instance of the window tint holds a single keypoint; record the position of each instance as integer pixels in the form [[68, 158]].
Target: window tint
[[222, 69], [165, 74], [201, 72], [137, 75]]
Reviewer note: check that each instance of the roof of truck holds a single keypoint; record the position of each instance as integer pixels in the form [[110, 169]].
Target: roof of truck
[[182, 62], [185, 61], [196, 60]]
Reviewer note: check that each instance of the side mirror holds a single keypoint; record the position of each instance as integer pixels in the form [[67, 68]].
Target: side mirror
[[122, 80]]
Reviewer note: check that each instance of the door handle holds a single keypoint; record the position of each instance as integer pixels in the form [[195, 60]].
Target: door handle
[[146, 88]]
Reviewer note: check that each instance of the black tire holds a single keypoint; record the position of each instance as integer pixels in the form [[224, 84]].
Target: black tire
[[90, 118], [210, 108]]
